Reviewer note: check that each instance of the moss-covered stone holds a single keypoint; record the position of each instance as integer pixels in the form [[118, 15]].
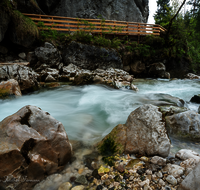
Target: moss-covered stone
[[4, 93], [114, 142]]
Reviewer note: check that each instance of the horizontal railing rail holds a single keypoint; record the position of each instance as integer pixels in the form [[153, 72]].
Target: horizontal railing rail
[[96, 25]]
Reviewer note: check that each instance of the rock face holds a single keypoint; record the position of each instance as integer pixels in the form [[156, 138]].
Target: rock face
[[186, 124], [91, 57], [10, 87], [33, 144], [126, 10], [144, 133], [191, 182], [5, 19], [25, 76], [48, 55]]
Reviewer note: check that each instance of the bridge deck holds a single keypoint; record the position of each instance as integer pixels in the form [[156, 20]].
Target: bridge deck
[[99, 26]]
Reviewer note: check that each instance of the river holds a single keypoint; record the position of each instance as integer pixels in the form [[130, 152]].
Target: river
[[90, 112]]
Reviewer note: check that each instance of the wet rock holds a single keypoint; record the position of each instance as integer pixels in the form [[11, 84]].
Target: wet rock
[[158, 160], [81, 180], [48, 54], [186, 124], [65, 186], [10, 87], [34, 144], [170, 110], [96, 174], [146, 133], [185, 154], [195, 99], [191, 182], [192, 76], [133, 87], [90, 57]]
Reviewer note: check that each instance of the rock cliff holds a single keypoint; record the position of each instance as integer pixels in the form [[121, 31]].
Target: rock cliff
[[125, 10]]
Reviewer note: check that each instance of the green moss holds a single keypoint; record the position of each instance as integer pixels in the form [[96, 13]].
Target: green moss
[[108, 147], [24, 25], [4, 93]]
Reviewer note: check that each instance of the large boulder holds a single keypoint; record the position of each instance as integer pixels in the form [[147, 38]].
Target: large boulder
[[191, 182], [10, 87], [25, 76], [48, 55], [126, 10], [91, 57], [32, 145], [185, 125], [144, 133], [137, 67], [158, 70]]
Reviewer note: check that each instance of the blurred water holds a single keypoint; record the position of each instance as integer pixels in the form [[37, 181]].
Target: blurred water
[[90, 112]]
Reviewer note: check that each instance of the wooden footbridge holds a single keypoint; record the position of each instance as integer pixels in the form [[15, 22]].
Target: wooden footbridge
[[96, 26]]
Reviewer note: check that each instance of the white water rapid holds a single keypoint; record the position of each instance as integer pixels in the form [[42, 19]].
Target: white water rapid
[[92, 111]]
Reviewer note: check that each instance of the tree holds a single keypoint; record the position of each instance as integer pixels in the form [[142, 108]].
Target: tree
[[162, 13]]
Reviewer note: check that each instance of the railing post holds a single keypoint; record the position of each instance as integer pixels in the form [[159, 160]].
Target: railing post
[[138, 33], [127, 27]]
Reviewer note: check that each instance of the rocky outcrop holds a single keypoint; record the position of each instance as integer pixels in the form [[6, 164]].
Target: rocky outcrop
[[25, 76], [48, 55], [192, 76], [33, 144], [91, 57], [185, 125], [126, 10], [10, 87], [144, 133]]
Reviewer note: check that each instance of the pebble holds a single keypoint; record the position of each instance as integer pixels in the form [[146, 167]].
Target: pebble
[[171, 179], [158, 160], [65, 186]]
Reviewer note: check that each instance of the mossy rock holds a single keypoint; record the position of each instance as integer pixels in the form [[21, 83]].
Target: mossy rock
[[114, 142], [170, 110], [4, 93]]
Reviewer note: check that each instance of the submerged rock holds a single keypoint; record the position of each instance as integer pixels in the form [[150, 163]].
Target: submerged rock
[[195, 99], [186, 125], [33, 144]]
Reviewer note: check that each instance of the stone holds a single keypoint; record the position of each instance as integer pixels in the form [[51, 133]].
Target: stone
[[48, 54], [195, 99], [146, 133], [22, 55], [185, 124], [174, 170], [90, 57], [31, 58], [137, 67], [10, 87], [136, 11], [171, 180], [157, 70], [133, 87], [192, 76], [50, 78], [65, 186], [81, 180], [34, 144], [25, 76], [161, 182], [191, 182], [80, 187], [158, 161], [185, 154], [188, 164]]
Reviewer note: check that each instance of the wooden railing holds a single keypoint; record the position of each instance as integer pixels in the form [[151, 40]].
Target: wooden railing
[[96, 25]]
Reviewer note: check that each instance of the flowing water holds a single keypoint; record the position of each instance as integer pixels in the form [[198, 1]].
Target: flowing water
[[90, 112]]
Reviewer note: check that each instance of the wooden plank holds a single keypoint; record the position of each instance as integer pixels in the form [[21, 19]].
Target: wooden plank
[[20, 63]]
